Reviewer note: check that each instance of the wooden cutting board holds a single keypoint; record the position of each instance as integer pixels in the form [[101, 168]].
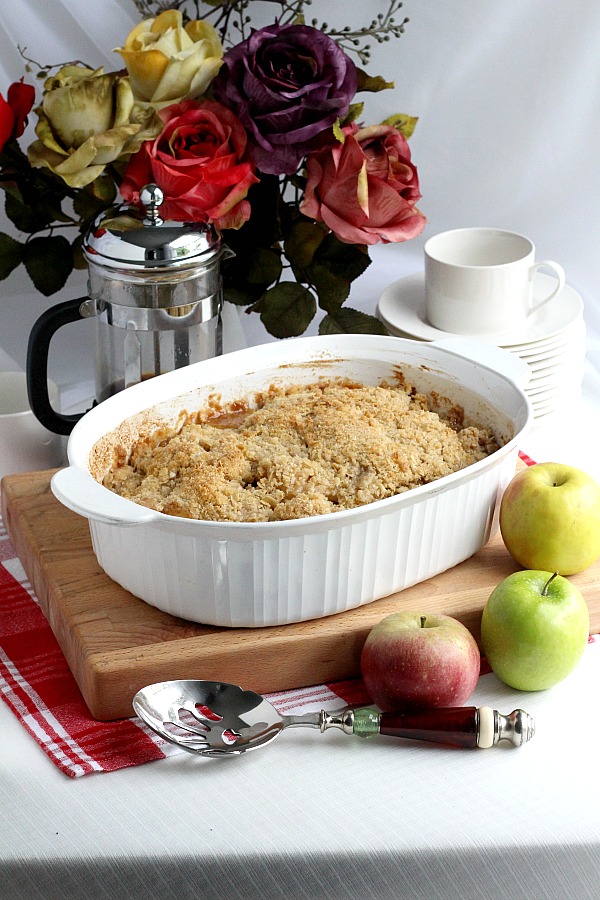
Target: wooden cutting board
[[115, 643]]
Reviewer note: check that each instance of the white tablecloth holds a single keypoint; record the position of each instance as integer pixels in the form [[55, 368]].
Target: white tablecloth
[[508, 136], [321, 816]]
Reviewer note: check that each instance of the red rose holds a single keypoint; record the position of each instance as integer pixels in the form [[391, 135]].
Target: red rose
[[199, 162], [365, 188], [14, 111]]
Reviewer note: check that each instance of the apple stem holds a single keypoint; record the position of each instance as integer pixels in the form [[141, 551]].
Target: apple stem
[[423, 620], [547, 585]]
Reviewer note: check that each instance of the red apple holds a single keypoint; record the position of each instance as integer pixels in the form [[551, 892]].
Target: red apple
[[415, 661]]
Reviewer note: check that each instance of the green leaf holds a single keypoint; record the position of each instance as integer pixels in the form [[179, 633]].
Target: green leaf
[[304, 240], [11, 187], [266, 224], [86, 206], [331, 289], [264, 266], [337, 131], [32, 204], [354, 111], [241, 296], [287, 309], [334, 268], [79, 260], [104, 189], [49, 262], [11, 255], [351, 321], [24, 217], [250, 271], [405, 124], [298, 181], [373, 83], [347, 261]]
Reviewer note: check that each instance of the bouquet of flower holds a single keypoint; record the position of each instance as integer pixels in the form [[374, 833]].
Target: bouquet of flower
[[259, 137]]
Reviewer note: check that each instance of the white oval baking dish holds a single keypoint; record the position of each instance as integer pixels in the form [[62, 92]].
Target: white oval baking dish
[[273, 573]]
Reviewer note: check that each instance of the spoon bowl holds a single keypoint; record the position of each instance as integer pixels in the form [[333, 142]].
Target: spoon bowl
[[208, 717]]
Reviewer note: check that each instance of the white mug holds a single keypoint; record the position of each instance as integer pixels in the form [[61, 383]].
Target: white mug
[[479, 281], [25, 445]]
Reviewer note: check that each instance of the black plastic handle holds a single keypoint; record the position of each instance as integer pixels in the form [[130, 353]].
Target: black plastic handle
[[37, 365]]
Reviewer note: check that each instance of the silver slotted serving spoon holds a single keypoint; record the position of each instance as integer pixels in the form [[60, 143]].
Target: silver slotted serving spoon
[[213, 718]]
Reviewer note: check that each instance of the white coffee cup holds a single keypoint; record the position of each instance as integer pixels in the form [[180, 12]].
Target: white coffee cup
[[25, 445], [480, 281]]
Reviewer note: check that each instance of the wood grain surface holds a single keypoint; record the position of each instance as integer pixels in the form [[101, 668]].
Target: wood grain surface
[[115, 643]]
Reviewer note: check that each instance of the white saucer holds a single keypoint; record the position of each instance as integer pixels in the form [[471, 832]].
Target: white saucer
[[546, 355], [575, 346], [564, 375], [401, 308], [539, 393], [557, 342]]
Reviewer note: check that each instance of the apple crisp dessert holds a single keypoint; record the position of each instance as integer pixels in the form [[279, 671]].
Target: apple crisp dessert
[[304, 450]]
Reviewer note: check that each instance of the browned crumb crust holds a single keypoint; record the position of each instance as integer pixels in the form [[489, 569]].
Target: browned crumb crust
[[307, 450]]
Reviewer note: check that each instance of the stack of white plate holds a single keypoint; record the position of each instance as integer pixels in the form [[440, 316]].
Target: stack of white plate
[[552, 342]]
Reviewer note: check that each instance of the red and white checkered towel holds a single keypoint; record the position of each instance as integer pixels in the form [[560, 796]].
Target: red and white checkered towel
[[37, 684]]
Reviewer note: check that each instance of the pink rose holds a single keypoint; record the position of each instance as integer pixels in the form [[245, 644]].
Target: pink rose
[[365, 188], [199, 161]]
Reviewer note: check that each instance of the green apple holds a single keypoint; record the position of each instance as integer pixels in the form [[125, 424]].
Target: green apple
[[550, 518], [534, 629]]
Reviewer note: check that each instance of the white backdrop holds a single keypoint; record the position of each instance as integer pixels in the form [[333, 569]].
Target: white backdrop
[[508, 99]]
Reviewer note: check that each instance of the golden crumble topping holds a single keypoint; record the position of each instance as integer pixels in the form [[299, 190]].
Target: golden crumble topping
[[305, 451]]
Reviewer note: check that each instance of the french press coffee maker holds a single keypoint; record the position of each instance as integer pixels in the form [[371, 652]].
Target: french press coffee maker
[[155, 291]]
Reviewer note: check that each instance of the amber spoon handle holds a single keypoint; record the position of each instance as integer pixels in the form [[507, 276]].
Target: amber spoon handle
[[462, 726]]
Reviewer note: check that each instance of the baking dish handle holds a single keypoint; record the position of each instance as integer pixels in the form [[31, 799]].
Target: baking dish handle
[[79, 492], [489, 355]]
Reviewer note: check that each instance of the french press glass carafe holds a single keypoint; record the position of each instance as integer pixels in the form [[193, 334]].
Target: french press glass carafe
[[156, 294]]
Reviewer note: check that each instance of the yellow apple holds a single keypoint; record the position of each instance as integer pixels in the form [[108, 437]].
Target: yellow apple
[[550, 518]]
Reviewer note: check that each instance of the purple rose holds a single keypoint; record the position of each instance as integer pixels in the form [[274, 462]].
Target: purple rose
[[286, 84]]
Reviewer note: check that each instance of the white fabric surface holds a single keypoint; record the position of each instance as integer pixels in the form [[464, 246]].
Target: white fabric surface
[[509, 103], [316, 815]]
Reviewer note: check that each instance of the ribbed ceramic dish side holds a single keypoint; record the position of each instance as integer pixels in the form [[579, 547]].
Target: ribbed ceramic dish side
[[274, 581]]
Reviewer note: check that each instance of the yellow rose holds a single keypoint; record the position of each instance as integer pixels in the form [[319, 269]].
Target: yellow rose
[[168, 62], [84, 124]]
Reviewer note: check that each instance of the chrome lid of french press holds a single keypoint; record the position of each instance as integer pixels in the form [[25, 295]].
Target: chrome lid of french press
[[137, 260], [137, 238]]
